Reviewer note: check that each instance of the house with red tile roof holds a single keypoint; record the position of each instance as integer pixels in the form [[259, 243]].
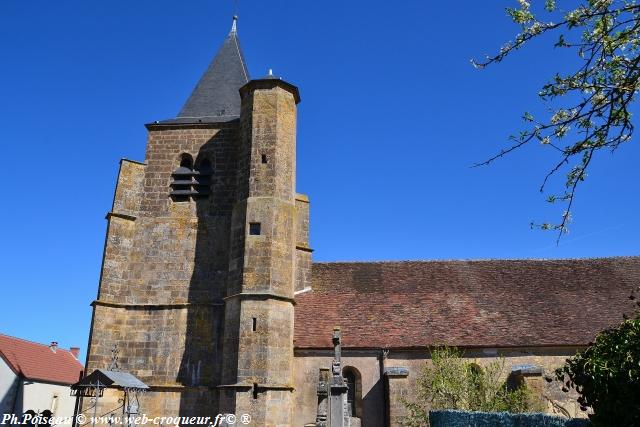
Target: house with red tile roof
[[36, 377]]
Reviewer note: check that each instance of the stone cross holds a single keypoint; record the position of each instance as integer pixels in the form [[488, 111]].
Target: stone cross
[[338, 400], [337, 357], [332, 390]]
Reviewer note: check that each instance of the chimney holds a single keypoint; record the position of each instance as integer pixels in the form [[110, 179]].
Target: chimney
[[53, 346], [75, 351]]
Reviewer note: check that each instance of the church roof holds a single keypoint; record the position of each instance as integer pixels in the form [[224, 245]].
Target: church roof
[[493, 303], [39, 362], [216, 97]]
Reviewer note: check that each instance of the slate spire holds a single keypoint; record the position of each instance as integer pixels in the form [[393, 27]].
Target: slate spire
[[216, 97]]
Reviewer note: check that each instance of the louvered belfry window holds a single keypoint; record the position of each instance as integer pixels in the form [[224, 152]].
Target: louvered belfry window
[[202, 179], [189, 182]]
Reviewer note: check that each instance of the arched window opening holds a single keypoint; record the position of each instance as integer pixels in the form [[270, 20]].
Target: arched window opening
[[477, 378], [515, 380], [186, 161], [202, 176], [354, 393], [181, 179], [350, 379], [475, 370], [187, 181]]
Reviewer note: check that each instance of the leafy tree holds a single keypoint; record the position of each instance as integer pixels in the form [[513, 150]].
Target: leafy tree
[[607, 375], [450, 382], [590, 106]]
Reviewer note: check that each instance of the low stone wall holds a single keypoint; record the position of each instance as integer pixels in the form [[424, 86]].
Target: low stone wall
[[452, 418]]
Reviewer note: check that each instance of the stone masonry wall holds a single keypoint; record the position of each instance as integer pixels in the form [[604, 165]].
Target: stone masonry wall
[[303, 251], [171, 266], [373, 408], [307, 363], [547, 358], [258, 340], [165, 269]]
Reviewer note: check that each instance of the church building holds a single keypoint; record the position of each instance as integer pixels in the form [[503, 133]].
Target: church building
[[209, 292]]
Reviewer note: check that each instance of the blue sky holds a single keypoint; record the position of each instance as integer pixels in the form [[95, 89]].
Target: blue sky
[[392, 117]]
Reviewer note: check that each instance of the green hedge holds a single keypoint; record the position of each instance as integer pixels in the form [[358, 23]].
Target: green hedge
[[451, 418]]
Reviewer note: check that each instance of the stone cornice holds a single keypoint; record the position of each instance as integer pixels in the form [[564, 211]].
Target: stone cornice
[[260, 386], [168, 306], [137, 162], [261, 296]]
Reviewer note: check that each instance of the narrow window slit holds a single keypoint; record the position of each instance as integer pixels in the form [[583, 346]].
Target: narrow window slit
[[255, 391], [264, 158], [254, 324]]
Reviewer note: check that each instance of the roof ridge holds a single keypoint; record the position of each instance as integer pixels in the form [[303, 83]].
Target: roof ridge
[[35, 361], [239, 51], [68, 350], [407, 261], [216, 95]]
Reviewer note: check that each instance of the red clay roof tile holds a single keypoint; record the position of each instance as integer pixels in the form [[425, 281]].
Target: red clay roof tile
[[494, 303], [38, 362]]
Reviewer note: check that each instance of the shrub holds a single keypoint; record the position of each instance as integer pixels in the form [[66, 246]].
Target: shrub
[[450, 382], [607, 376]]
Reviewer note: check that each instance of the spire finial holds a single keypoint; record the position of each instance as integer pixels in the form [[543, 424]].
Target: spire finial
[[234, 25], [270, 72]]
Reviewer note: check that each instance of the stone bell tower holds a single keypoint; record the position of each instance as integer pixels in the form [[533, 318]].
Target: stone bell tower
[[207, 242], [257, 376]]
